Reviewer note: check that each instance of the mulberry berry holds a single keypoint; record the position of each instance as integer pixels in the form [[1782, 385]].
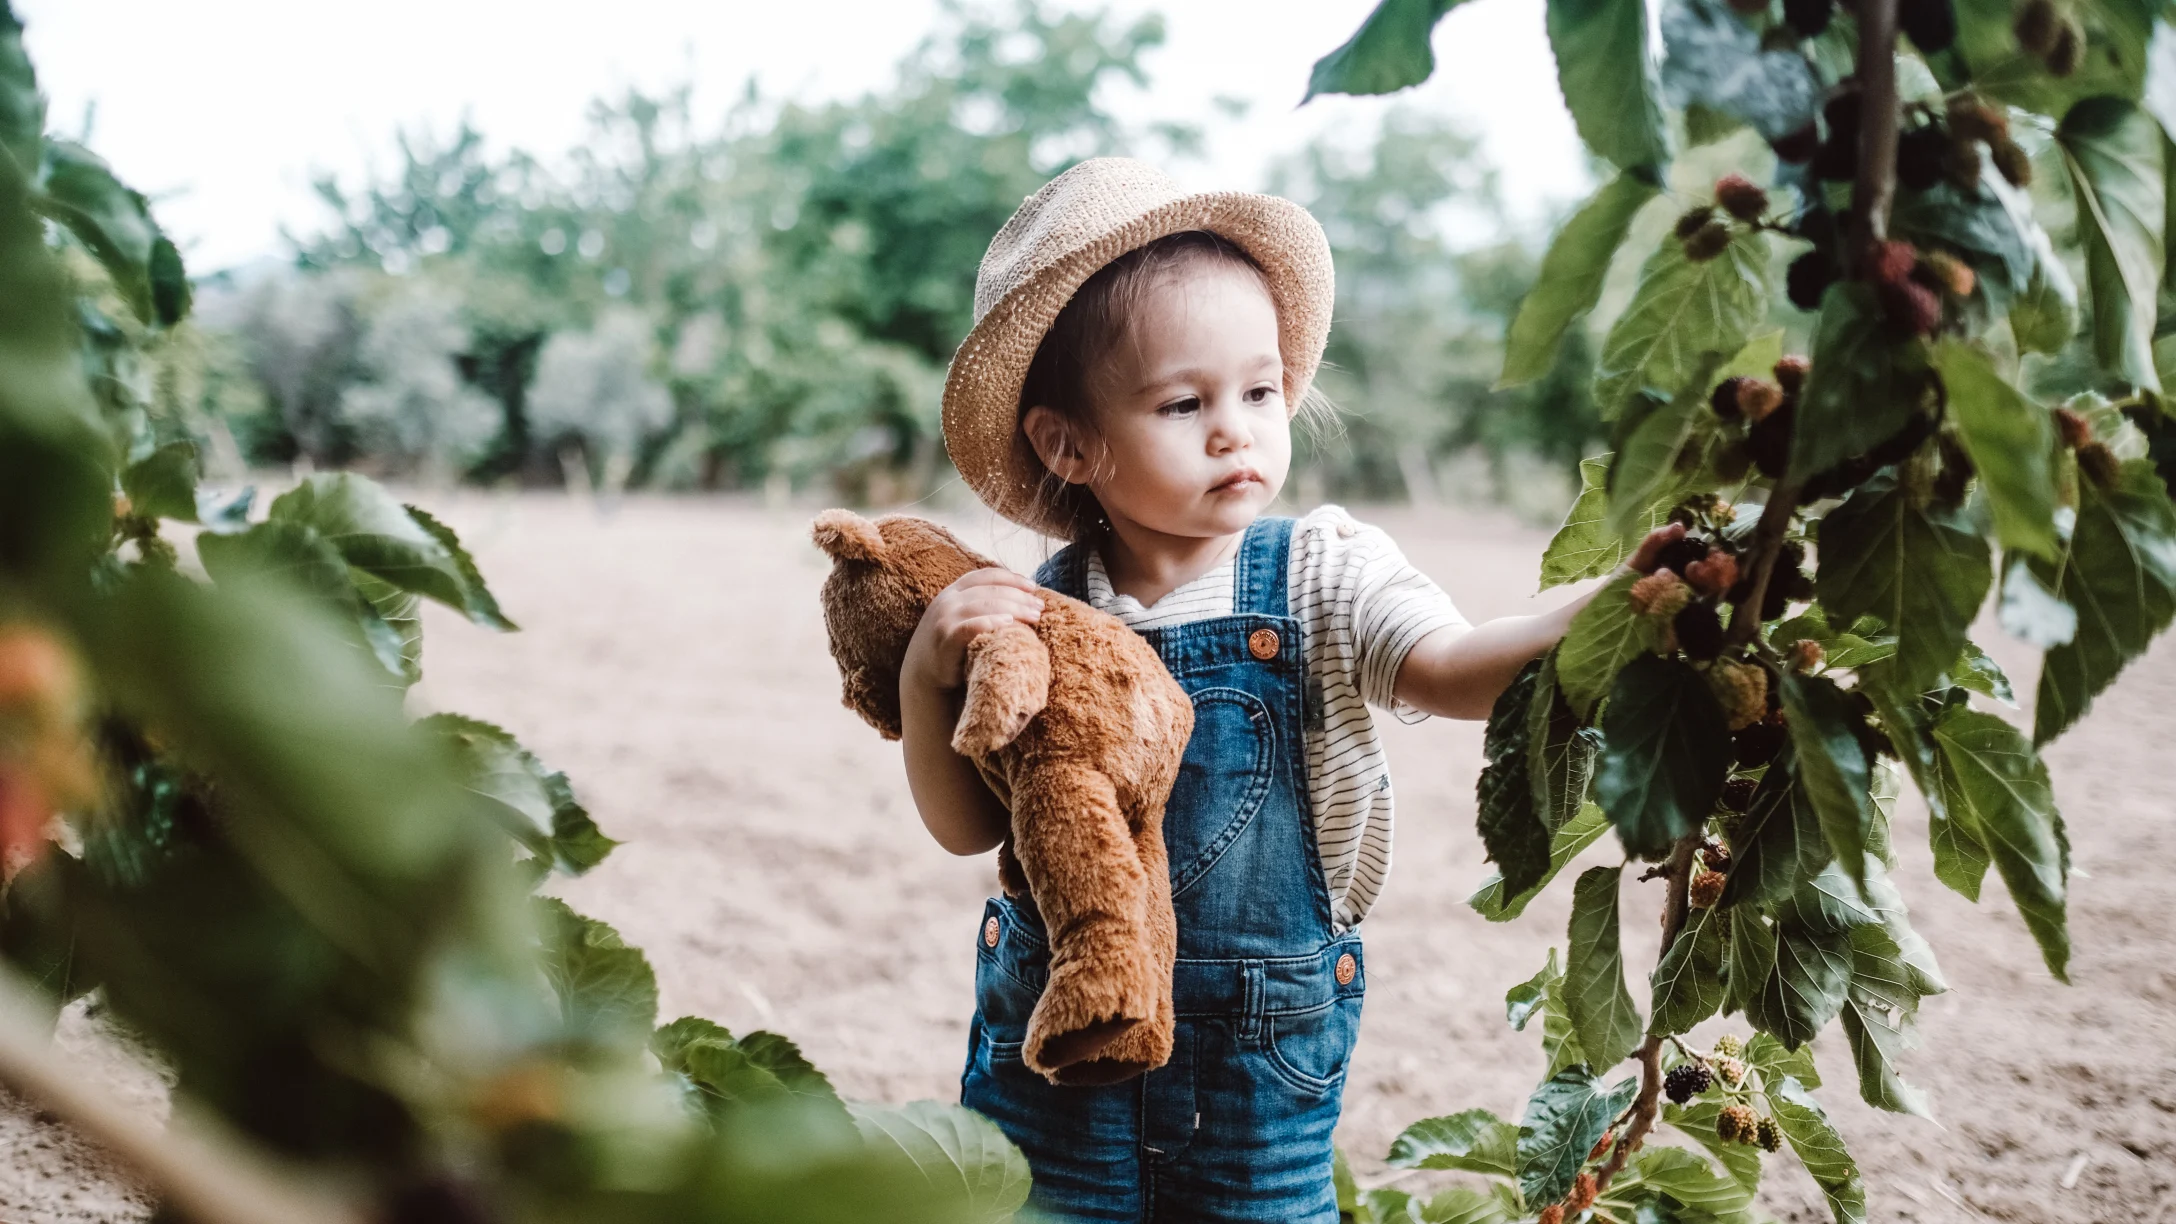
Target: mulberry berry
[[2068, 51], [2074, 430], [1686, 1081], [1680, 553], [1724, 399], [1661, 595], [1891, 263], [1838, 159], [1713, 574], [2036, 26], [1730, 1070], [2011, 160], [2098, 463], [1729, 1045], [1699, 631], [1808, 17], [1912, 308], [1950, 273], [1738, 792], [1705, 890], [1552, 1214], [1737, 1124], [1806, 654], [1972, 119], [1768, 1135], [1715, 856], [1601, 1146], [1582, 1195], [1919, 155], [1791, 374], [1931, 24], [1964, 164], [1769, 442], [1758, 744], [1723, 512], [1707, 242], [1693, 220], [1740, 198], [1759, 397], [1740, 688], [1798, 147], [1808, 277]]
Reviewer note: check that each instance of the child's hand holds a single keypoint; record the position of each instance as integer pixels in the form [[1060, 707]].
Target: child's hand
[[1643, 557], [977, 603]]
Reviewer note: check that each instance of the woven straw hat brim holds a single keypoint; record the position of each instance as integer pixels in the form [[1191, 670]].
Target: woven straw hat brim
[[982, 388]]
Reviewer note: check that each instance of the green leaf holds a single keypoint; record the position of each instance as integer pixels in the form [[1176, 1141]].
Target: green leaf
[[1694, 1184], [1777, 842], [1806, 1127], [1609, 80], [1976, 671], [2010, 440], [22, 106], [1475, 1141], [1570, 280], [1805, 988], [1696, 1120], [79, 190], [1522, 1001], [1505, 815], [1688, 981], [1774, 1060], [299, 559], [1864, 387], [2044, 316], [1750, 959], [2029, 611], [1664, 444], [1389, 51], [1581, 831], [1989, 225], [1559, 754], [1666, 749], [399, 544], [1832, 768], [162, 484], [2113, 152], [403, 617], [1603, 637], [1564, 1119], [534, 804], [2112, 62], [1559, 1043], [1997, 786], [2120, 574], [1680, 312], [1602, 1011], [957, 1150], [606, 990], [1922, 569], [1830, 901], [1878, 1009], [1910, 728], [729, 1072], [1584, 546], [1466, 1205]]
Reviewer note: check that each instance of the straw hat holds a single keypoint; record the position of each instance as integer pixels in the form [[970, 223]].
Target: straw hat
[[1061, 235]]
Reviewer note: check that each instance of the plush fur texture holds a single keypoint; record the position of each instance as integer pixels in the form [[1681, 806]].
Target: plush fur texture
[[1079, 727]]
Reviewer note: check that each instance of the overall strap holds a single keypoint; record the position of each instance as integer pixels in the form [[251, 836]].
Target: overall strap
[[1259, 576], [1067, 572]]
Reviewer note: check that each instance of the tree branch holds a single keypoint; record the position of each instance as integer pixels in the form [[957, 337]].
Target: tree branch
[[1875, 185], [1648, 1104]]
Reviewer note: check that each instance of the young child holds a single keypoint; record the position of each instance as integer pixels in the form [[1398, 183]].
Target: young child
[[1137, 358]]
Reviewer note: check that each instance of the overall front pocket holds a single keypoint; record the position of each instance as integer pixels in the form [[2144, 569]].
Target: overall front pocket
[[1223, 779], [1311, 1050]]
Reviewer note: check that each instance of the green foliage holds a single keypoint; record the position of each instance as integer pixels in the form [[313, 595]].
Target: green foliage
[[1511, 827], [1603, 637], [1605, 68], [2113, 152], [1665, 753], [1571, 277], [1564, 1119], [1601, 1010], [2119, 571], [1387, 53], [1684, 312]]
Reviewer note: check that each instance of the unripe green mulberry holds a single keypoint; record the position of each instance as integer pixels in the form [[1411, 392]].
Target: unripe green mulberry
[[1729, 1045], [1741, 689], [1732, 1071], [1737, 1124]]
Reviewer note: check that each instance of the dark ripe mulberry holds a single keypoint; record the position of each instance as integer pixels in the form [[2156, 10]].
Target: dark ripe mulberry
[[1705, 890], [1738, 793], [1808, 17], [1791, 374], [1680, 553], [1686, 1081], [2011, 160], [1724, 399], [2036, 26], [1911, 307], [1808, 278], [2098, 463], [1758, 744], [1783, 587], [2068, 51], [1739, 197], [1693, 220], [1797, 147], [1838, 160], [1769, 442], [1699, 631], [1768, 1135], [1919, 156], [1931, 24], [1707, 242]]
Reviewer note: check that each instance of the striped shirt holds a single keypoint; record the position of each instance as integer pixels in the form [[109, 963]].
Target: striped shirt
[[1361, 607]]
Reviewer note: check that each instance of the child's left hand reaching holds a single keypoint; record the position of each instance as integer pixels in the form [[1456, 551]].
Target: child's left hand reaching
[[1459, 672]]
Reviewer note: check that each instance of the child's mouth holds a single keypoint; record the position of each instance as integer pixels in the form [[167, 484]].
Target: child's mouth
[[1238, 482]]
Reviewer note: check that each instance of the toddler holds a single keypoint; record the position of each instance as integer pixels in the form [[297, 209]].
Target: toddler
[[1129, 385]]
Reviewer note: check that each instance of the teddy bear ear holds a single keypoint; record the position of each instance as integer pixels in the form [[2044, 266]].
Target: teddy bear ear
[[846, 536]]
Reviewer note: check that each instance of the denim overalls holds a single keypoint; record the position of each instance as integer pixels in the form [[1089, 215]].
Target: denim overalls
[[1236, 1127]]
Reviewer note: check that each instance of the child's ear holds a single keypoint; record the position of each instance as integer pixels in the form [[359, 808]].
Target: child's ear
[[1057, 443]]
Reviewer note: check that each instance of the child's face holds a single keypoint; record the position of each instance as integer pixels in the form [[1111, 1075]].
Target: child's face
[[1190, 434]]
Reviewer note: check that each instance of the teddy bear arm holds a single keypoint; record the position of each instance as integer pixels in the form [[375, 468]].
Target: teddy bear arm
[[1008, 683]]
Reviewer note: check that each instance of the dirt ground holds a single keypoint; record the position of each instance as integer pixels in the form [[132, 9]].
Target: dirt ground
[[673, 663]]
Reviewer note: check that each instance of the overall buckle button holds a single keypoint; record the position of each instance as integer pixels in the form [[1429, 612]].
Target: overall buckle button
[[1346, 967], [989, 932], [1262, 644]]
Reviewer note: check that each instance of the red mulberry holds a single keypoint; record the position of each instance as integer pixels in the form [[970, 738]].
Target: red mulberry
[[1791, 374], [1582, 1195], [1713, 574], [1715, 856], [1705, 890], [1737, 1124], [1740, 197]]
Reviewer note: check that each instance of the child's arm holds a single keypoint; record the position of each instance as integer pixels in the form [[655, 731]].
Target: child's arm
[[1459, 672], [956, 807]]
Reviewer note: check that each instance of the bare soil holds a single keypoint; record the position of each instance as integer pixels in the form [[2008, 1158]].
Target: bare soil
[[673, 663]]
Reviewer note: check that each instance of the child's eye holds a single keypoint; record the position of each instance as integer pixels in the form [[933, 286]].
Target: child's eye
[[1180, 407], [1260, 394]]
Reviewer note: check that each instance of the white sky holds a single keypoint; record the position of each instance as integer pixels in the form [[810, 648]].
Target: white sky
[[223, 109]]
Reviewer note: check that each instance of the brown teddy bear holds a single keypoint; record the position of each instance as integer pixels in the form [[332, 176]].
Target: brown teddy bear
[[1078, 726]]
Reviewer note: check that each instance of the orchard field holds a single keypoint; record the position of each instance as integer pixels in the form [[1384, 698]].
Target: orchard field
[[673, 662]]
